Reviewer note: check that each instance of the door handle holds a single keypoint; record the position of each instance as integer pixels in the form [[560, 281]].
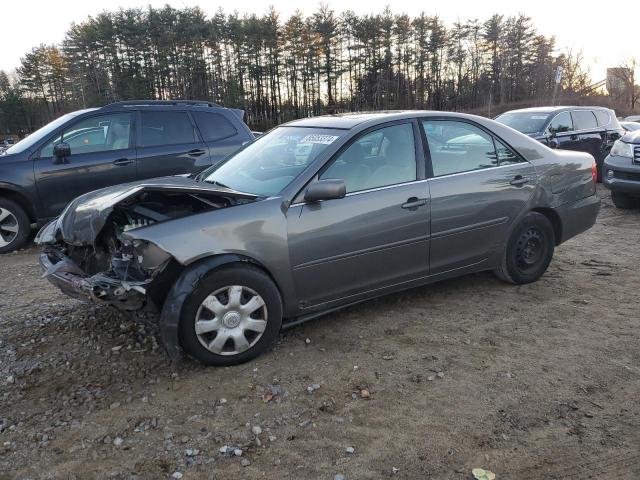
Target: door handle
[[573, 137], [518, 180], [414, 203], [196, 152], [123, 161]]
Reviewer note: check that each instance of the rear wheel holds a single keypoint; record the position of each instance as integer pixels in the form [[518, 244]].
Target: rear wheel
[[233, 315], [14, 226], [529, 250], [622, 200]]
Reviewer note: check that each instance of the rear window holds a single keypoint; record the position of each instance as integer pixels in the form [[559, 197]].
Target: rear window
[[602, 117], [166, 128], [584, 119], [214, 126]]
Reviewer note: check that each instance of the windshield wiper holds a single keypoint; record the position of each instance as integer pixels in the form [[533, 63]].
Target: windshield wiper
[[215, 182]]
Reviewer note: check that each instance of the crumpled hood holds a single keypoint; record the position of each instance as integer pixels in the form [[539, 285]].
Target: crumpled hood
[[83, 219]]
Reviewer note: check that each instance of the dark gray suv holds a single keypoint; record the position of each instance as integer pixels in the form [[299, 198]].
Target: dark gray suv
[[98, 147], [318, 214]]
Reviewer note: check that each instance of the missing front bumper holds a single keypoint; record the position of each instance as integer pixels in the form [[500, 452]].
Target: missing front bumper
[[100, 288]]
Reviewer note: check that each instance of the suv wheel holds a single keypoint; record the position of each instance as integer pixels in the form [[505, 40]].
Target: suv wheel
[[232, 316], [622, 200], [14, 226], [529, 250]]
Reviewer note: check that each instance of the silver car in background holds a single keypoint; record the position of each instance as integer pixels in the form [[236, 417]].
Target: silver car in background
[[318, 214]]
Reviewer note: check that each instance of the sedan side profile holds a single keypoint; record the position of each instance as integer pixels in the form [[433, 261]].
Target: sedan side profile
[[318, 214]]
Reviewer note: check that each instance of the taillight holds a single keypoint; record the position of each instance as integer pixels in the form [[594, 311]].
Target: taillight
[[594, 172]]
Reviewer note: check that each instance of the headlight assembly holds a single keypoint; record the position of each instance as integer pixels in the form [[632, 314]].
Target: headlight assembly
[[622, 149]]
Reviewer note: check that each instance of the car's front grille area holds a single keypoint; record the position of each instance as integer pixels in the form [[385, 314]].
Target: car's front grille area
[[628, 176], [636, 155]]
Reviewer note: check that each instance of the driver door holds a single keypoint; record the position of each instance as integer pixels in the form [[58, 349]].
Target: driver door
[[102, 155], [374, 237]]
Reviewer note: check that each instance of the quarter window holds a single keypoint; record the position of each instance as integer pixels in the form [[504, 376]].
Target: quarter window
[[506, 156], [561, 123], [584, 119], [166, 128], [214, 126], [94, 134], [603, 117], [377, 159], [457, 147]]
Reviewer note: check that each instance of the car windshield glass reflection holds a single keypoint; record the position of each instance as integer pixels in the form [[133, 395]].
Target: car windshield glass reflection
[[268, 165]]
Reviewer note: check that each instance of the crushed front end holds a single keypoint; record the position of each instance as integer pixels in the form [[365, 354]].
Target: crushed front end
[[89, 256], [120, 274]]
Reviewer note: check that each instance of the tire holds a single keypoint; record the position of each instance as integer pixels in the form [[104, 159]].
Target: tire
[[15, 226], [622, 200], [227, 319], [529, 250]]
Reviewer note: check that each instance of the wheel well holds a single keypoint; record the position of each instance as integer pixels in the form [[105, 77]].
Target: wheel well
[[243, 259], [554, 219], [161, 286], [20, 200]]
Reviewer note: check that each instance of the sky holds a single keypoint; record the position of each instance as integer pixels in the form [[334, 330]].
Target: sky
[[606, 36]]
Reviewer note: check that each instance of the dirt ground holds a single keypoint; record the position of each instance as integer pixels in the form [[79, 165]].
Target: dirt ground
[[533, 382]]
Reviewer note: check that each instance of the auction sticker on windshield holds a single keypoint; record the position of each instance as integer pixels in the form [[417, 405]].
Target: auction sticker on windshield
[[319, 138]]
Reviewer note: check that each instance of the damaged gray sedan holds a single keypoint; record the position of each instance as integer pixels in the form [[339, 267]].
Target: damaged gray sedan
[[316, 215]]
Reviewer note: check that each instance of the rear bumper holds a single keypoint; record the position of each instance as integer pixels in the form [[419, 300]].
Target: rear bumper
[[578, 217]]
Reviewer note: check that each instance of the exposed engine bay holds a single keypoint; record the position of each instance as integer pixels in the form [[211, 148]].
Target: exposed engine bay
[[106, 266]]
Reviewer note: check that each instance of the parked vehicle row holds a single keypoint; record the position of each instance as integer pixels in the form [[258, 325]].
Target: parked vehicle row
[[99, 147], [318, 214]]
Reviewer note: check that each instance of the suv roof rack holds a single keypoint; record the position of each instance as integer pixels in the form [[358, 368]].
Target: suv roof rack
[[150, 103]]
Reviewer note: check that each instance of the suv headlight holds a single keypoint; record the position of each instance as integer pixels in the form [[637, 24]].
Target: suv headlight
[[622, 149]]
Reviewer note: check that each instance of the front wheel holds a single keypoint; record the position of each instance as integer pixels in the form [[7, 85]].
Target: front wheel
[[529, 250], [622, 200], [14, 226], [233, 315]]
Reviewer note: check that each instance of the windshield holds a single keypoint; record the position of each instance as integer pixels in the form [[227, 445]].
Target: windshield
[[524, 122], [39, 134], [269, 164]]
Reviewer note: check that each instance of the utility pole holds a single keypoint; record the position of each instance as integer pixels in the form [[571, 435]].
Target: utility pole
[[558, 80]]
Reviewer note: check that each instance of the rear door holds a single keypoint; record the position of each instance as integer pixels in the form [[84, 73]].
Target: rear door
[[169, 144], [374, 237], [589, 134], [102, 154], [478, 187], [219, 133]]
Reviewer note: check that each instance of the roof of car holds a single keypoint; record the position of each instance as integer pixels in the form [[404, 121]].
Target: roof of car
[[553, 109], [160, 103], [347, 121]]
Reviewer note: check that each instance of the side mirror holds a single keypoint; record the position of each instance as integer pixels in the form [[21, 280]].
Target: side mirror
[[61, 151], [551, 133], [325, 190]]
